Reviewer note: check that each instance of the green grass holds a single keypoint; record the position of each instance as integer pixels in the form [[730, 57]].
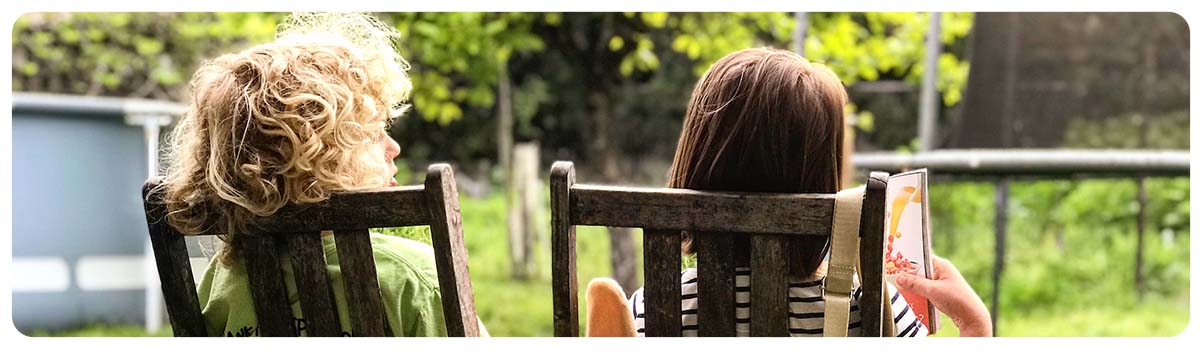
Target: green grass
[[521, 308], [1068, 268], [1151, 318], [103, 330]]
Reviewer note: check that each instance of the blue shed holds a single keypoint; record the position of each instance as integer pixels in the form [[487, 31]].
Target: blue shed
[[79, 232]]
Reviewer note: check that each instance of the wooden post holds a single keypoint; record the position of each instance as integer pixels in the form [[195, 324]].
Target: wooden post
[[663, 291], [562, 251], [446, 234], [1001, 222], [524, 210]]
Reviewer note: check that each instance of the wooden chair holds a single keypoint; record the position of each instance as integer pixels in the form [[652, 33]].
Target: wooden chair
[[296, 231], [663, 213]]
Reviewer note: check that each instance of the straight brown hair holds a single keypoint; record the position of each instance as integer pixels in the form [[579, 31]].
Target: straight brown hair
[[764, 120]]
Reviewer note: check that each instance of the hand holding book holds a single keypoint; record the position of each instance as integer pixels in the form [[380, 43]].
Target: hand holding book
[[951, 294]]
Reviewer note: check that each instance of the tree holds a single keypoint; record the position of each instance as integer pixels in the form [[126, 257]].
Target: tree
[[455, 57], [126, 54]]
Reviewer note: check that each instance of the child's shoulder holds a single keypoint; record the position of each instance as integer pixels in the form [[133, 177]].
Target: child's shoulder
[[394, 247], [404, 256], [401, 245]]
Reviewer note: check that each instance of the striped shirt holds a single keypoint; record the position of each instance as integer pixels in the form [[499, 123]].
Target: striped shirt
[[806, 308]]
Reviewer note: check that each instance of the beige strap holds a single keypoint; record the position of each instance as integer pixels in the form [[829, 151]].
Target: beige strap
[[888, 322], [843, 256]]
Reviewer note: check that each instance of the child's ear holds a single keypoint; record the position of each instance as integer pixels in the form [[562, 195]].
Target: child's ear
[[608, 312]]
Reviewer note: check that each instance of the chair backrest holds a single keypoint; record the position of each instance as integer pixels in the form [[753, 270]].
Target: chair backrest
[[769, 218], [296, 230]]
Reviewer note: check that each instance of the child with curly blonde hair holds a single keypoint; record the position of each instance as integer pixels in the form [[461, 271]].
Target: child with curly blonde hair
[[291, 122]]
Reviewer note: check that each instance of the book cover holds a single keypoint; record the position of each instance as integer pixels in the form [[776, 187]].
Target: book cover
[[908, 246]]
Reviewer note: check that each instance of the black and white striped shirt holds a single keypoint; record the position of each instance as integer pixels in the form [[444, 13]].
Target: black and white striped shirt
[[806, 304]]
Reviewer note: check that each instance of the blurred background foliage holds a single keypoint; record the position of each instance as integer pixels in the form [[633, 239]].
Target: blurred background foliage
[[576, 77], [608, 90]]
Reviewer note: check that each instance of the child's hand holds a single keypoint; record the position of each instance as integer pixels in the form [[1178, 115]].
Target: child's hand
[[949, 292]]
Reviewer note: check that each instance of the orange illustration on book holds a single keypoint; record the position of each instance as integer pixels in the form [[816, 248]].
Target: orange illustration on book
[[894, 261]]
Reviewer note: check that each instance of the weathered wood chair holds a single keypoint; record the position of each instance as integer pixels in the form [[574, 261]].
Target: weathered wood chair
[[662, 213], [296, 230]]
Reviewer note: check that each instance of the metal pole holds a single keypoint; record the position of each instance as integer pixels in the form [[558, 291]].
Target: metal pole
[[800, 32], [151, 124], [1138, 278], [929, 104], [154, 299], [1001, 221]]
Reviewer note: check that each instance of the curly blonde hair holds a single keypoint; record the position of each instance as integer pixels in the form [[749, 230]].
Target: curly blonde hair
[[290, 121]]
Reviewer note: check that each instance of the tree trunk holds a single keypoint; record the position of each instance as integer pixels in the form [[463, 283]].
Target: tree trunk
[[624, 258], [623, 253]]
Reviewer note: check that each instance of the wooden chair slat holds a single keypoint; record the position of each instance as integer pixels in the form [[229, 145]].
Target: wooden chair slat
[[458, 300], [312, 280], [174, 269], [357, 262], [716, 315], [386, 207], [562, 251], [267, 288], [663, 291], [678, 209], [871, 234], [769, 273]]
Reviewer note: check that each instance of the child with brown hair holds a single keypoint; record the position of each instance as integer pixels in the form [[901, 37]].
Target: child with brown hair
[[767, 120], [289, 122]]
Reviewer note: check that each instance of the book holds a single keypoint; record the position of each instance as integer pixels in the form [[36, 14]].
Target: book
[[908, 245]]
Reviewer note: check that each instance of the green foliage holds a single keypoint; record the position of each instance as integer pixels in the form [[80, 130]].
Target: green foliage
[[126, 54], [857, 46], [866, 46], [706, 37], [1163, 132], [1070, 245], [457, 56]]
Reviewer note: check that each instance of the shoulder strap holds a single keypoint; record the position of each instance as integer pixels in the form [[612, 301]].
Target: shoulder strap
[[889, 323], [843, 256]]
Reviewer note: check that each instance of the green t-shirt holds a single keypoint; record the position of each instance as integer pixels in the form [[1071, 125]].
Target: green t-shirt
[[407, 281]]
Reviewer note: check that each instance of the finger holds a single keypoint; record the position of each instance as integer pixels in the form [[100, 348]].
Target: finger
[[950, 271], [943, 269], [915, 284]]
